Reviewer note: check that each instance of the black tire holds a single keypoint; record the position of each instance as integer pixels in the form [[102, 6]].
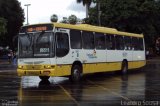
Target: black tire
[[44, 77], [124, 68], [76, 74]]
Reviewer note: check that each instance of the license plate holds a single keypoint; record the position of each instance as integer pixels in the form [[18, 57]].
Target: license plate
[[33, 72]]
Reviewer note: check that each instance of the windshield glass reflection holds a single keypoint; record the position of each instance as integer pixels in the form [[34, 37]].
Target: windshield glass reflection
[[36, 45]]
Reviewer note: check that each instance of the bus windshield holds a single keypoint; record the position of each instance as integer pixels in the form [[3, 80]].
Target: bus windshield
[[36, 45]]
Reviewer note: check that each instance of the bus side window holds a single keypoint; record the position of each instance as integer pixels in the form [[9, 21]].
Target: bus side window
[[100, 41], [113, 43], [75, 39], [88, 40], [127, 43], [141, 47], [135, 45], [119, 42], [62, 46], [110, 42]]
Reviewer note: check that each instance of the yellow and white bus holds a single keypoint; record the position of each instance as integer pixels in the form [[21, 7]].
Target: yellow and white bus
[[57, 49]]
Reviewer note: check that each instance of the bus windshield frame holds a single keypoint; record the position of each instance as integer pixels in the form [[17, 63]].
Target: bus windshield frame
[[36, 45]]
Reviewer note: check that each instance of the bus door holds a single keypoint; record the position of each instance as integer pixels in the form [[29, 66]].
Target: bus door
[[62, 53]]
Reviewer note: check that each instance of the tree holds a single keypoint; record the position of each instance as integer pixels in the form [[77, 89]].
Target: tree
[[54, 18], [136, 16], [86, 3], [14, 15], [72, 19], [3, 24], [65, 20]]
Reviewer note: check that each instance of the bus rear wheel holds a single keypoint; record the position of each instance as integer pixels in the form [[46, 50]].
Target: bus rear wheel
[[124, 68], [44, 77], [75, 74]]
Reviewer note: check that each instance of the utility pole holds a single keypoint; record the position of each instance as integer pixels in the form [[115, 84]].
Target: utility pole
[[27, 12]]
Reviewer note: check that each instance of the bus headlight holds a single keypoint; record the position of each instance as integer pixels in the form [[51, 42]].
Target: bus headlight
[[47, 66], [20, 66]]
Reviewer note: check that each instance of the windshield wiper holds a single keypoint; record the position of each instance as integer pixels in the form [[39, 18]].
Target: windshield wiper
[[40, 36]]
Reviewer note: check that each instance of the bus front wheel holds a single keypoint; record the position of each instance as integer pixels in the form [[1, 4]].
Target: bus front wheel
[[44, 77], [75, 73], [124, 68]]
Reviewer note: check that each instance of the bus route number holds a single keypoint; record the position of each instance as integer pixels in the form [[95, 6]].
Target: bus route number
[[43, 50]]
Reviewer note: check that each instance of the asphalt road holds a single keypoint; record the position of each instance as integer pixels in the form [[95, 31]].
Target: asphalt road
[[139, 88]]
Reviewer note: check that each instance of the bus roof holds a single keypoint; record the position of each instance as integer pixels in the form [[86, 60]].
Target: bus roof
[[87, 27]]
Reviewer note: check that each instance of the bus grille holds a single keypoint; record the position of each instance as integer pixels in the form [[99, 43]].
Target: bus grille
[[33, 67]]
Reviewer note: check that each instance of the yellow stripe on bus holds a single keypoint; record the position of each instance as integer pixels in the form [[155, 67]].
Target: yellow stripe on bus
[[65, 70]]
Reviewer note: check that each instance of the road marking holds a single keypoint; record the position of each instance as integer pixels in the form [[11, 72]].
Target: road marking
[[109, 90], [67, 93]]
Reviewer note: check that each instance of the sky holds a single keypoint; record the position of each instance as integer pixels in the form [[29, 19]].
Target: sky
[[40, 11]]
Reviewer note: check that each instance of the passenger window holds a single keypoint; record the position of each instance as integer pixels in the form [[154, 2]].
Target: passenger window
[[75, 39], [88, 40], [119, 42], [141, 47], [135, 43], [62, 46], [99, 41], [127, 43], [110, 42]]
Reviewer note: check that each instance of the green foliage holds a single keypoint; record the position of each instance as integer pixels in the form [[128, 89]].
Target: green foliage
[[85, 2], [54, 18], [72, 19], [65, 20], [94, 1], [3, 24], [14, 15], [137, 16]]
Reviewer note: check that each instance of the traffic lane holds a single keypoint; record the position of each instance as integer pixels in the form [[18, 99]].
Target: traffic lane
[[100, 89], [152, 75], [59, 91]]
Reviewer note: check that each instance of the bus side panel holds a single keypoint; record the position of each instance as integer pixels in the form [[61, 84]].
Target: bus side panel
[[128, 56], [138, 59], [101, 58], [114, 55], [138, 64], [88, 58], [102, 67], [62, 70]]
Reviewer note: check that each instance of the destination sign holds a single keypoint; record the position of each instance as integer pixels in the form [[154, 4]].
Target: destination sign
[[35, 28], [42, 28]]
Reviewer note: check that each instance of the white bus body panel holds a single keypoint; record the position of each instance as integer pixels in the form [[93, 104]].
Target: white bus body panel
[[138, 55], [35, 61], [101, 56]]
